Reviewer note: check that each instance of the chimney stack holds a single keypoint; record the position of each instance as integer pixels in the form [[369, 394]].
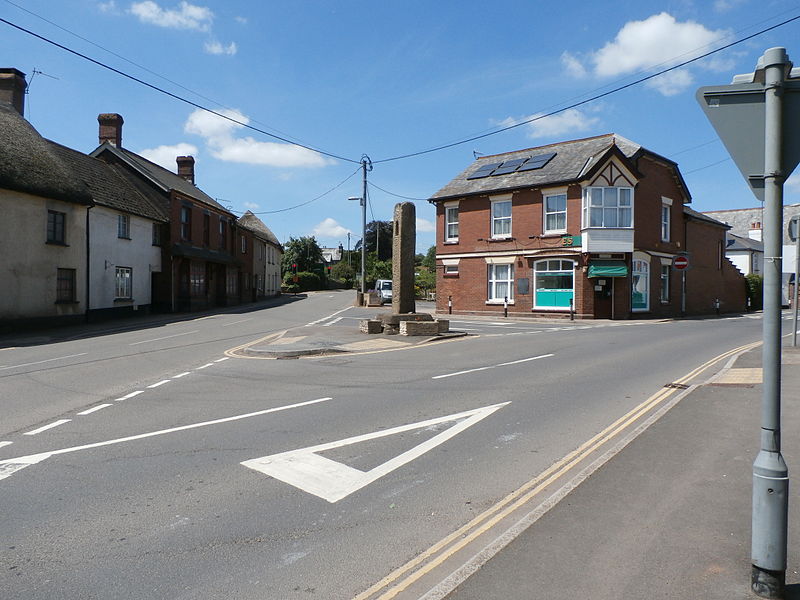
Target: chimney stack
[[111, 128], [186, 168], [754, 233], [12, 88]]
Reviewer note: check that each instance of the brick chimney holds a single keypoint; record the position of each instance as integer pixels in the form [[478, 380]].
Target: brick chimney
[[111, 128], [12, 88], [186, 168], [754, 233]]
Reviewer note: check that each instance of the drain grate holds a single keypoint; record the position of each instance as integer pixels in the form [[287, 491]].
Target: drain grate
[[677, 386]]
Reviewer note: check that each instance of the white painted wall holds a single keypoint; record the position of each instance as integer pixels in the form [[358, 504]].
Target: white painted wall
[[741, 260], [28, 265], [109, 251], [273, 271]]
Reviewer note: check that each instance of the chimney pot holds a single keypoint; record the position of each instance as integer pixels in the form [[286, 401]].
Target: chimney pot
[[110, 128], [186, 168], [12, 88]]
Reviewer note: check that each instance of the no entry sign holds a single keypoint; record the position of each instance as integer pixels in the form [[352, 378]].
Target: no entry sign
[[680, 263]]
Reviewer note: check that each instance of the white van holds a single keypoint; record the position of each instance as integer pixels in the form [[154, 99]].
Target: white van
[[384, 288]]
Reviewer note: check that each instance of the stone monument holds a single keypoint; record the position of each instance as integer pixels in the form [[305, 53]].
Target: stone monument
[[404, 242]]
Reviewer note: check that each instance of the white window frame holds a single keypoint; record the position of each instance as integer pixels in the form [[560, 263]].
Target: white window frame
[[450, 266], [600, 203], [124, 227], [494, 278], [636, 265], [554, 213], [499, 221], [123, 283], [666, 270], [570, 264], [451, 222], [666, 220]]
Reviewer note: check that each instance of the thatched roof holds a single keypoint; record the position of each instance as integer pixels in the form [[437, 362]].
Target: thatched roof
[[249, 221], [29, 164]]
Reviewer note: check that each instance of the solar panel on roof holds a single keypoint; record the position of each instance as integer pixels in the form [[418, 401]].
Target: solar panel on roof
[[509, 166], [537, 162], [484, 171]]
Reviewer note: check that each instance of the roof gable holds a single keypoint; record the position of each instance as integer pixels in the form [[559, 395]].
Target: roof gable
[[250, 221]]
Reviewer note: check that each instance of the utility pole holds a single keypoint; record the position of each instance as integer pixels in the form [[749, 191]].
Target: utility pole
[[366, 164]]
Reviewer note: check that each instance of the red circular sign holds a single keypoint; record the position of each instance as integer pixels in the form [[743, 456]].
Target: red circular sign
[[680, 262]]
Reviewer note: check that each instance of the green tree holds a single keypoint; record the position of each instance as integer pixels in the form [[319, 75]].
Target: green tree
[[382, 232], [343, 272], [303, 252], [430, 259]]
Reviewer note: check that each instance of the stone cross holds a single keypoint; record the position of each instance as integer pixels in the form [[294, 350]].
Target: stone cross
[[404, 240]]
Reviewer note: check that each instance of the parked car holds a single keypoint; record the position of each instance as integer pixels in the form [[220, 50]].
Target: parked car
[[384, 288]]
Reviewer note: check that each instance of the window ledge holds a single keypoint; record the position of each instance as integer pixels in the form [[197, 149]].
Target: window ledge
[[501, 239], [124, 237], [123, 300], [499, 302], [54, 243], [450, 242], [554, 234], [67, 302]]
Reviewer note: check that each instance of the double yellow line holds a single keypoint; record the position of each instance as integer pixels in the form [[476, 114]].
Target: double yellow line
[[402, 577]]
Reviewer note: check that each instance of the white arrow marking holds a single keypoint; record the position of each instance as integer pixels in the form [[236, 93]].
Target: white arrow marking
[[332, 480]]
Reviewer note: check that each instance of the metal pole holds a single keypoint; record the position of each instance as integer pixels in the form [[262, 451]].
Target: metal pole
[[770, 474], [796, 220], [364, 228]]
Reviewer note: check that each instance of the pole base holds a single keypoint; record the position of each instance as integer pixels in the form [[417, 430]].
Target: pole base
[[768, 584]]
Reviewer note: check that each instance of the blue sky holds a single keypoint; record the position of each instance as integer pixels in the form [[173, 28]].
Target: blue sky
[[384, 79]]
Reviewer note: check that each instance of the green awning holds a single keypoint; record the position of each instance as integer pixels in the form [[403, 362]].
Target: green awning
[[608, 268]]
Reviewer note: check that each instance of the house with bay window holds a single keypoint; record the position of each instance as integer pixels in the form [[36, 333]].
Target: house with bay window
[[590, 228]]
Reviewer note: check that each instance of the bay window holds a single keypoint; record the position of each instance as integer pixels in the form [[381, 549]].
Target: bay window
[[608, 207]]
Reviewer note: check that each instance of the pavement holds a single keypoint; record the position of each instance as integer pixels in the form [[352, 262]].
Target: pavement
[[669, 516]]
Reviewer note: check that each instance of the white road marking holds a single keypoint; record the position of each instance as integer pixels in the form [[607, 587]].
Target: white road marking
[[3, 444], [160, 383], [505, 364], [237, 322], [131, 395], [223, 359], [184, 374], [166, 337], [46, 427], [329, 323], [94, 409], [39, 362], [328, 317], [332, 481], [205, 366], [522, 360], [10, 466]]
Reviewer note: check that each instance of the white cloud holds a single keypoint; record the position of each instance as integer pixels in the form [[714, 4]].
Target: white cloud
[[187, 16], [726, 5], [215, 47], [657, 40], [425, 226], [109, 7], [166, 155], [569, 121], [329, 228], [672, 83], [224, 145], [251, 205], [573, 65], [241, 20]]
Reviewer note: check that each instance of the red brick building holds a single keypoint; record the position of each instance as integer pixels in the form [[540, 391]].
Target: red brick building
[[590, 226]]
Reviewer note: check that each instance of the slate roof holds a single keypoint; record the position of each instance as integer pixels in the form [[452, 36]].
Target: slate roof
[[29, 164], [162, 177], [109, 187], [573, 161], [738, 242], [249, 221], [698, 216]]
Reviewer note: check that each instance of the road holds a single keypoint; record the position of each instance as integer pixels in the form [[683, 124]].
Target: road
[[124, 475]]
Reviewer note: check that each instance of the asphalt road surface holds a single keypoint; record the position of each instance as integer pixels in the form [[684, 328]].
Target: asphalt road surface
[[150, 464]]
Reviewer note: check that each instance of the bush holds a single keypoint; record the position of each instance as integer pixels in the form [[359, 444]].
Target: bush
[[755, 291], [305, 282]]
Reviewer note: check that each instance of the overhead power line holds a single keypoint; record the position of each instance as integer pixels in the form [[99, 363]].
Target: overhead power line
[[588, 100], [171, 95], [377, 187]]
